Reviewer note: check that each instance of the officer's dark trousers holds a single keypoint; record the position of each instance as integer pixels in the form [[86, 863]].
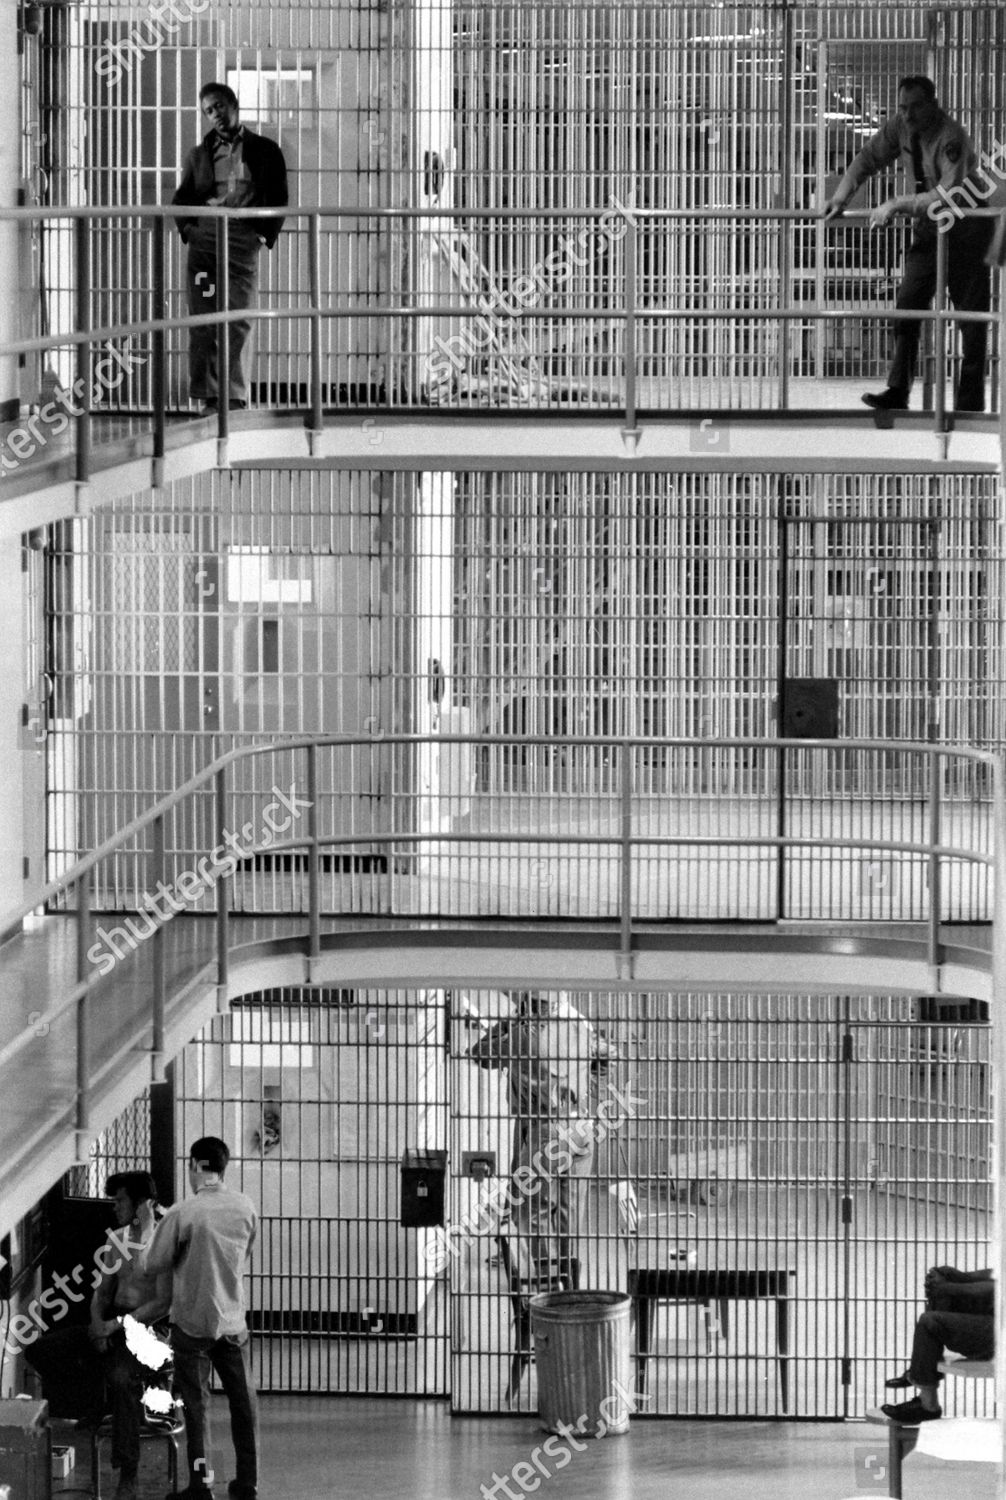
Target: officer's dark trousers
[[972, 1334], [969, 285], [204, 296]]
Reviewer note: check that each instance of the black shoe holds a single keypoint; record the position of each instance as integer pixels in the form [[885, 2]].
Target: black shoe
[[889, 400], [237, 406], [910, 1413], [899, 1382], [241, 1491], [966, 406], [208, 409]]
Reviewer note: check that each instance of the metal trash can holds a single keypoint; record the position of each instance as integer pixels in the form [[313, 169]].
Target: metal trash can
[[581, 1342]]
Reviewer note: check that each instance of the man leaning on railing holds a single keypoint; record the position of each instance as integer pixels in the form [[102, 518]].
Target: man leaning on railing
[[945, 169]]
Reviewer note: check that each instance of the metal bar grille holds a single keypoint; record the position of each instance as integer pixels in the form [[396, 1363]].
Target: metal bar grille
[[484, 105], [520, 604], [843, 1143], [318, 1094]]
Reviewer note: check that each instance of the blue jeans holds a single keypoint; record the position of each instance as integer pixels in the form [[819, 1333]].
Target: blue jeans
[[229, 1357]]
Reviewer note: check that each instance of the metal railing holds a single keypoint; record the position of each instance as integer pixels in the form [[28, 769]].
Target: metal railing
[[408, 320], [210, 799], [222, 780]]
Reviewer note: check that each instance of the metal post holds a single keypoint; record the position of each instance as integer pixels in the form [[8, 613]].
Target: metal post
[[999, 1089], [631, 260], [625, 869], [83, 1113], [158, 348], [82, 241], [313, 859], [157, 950], [314, 263], [1002, 379], [786, 177], [935, 864], [223, 330], [940, 336], [223, 893]]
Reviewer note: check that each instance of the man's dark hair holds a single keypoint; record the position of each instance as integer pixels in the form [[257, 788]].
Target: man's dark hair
[[137, 1185], [919, 81], [211, 1154], [223, 89]]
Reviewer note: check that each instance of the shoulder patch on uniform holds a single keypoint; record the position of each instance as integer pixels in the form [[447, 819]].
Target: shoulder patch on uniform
[[953, 152]]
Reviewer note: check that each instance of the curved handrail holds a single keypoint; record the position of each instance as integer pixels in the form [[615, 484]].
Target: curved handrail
[[75, 883]]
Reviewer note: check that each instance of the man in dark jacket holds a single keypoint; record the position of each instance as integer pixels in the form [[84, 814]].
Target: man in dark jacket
[[234, 168]]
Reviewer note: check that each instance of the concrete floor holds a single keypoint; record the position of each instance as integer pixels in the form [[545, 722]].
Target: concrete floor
[[318, 1448]]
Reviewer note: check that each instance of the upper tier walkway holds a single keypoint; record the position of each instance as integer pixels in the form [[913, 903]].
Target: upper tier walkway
[[383, 343]]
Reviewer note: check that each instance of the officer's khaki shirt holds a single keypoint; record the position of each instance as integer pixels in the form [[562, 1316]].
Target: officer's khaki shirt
[[948, 160]]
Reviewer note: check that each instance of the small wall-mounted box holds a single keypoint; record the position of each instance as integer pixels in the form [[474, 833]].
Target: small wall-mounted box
[[63, 1460], [423, 1174]]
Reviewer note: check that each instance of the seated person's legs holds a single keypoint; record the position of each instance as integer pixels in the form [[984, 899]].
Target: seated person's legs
[[125, 1391], [970, 1334]]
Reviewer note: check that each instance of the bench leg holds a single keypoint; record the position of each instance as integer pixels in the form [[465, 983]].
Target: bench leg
[[900, 1442]]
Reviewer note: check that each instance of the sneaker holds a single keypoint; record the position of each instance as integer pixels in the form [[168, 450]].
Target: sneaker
[[910, 1413], [889, 400], [242, 1491], [899, 1383]]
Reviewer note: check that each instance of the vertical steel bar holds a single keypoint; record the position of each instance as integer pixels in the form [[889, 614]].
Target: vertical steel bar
[[935, 868], [314, 259], [940, 336], [82, 227], [783, 616], [998, 1087], [158, 341], [313, 858], [787, 177], [631, 267], [1002, 382], [83, 1112], [625, 871], [223, 297], [158, 882], [223, 884]]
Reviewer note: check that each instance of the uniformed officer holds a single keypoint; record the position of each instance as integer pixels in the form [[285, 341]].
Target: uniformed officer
[[941, 159]]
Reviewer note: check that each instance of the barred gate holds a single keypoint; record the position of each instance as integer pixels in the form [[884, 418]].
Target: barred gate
[[834, 1147]]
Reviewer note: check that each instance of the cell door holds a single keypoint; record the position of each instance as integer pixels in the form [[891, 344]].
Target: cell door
[[866, 610]]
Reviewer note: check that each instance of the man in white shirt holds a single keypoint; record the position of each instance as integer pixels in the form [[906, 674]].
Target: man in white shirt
[[205, 1242], [552, 1054], [943, 165]]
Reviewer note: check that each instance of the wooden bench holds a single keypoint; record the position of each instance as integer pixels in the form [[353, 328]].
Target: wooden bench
[[944, 1434], [714, 1285]]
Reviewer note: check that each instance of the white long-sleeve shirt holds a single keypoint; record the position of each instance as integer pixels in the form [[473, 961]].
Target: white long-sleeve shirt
[[205, 1242]]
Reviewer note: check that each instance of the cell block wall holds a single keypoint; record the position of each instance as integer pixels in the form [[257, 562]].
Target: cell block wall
[[567, 607]]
